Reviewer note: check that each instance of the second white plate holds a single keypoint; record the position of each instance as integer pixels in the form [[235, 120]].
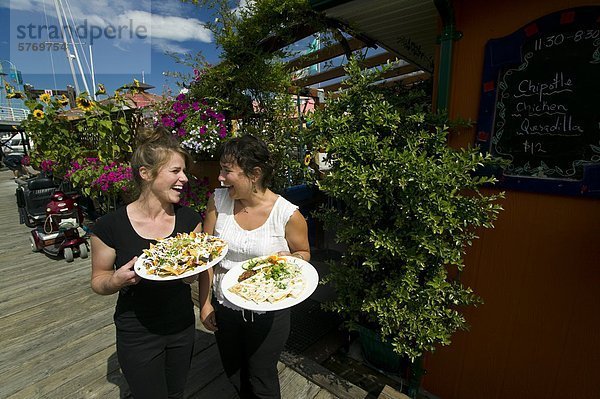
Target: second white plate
[[311, 280]]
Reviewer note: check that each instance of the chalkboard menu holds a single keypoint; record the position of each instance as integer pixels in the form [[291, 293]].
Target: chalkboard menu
[[540, 103]]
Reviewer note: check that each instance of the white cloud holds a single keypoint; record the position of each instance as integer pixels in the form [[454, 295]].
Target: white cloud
[[22, 5], [170, 8], [161, 26], [168, 28], [169, 46]]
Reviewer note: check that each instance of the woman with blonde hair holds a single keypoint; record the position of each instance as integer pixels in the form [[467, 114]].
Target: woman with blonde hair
[[154, 320]]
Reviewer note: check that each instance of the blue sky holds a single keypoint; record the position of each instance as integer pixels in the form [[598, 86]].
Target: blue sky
[[129, 40]]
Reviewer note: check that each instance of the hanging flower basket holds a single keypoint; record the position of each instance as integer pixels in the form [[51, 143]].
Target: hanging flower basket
[[199, 127]]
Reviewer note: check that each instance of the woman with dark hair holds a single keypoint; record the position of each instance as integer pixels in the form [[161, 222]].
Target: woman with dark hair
[[255, 222], [154, 320]]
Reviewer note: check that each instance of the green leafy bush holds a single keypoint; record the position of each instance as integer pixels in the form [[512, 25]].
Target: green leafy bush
[[408, 206]]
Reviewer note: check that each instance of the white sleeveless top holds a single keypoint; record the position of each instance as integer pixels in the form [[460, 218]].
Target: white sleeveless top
[[243, 244]]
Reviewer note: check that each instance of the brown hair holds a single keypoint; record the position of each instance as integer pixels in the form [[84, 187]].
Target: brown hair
[[154, 149], [249, 152]]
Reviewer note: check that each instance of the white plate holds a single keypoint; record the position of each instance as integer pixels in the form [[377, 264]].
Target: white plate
[[311, 280], [141, 270]]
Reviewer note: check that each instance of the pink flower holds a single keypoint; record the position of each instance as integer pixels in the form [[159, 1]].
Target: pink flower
[[46, 165]]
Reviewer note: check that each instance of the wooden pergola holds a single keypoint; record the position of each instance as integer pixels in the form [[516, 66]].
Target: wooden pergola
[[400, 31]]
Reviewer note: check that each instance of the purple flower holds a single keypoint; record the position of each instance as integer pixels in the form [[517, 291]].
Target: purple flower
[[180, 97], [167, 121], [47, 164], [180, 107]]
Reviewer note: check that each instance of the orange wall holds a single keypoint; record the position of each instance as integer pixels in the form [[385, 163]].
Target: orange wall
[[537, 336]]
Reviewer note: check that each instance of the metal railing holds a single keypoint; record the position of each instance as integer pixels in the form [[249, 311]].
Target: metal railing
[[10, 114]]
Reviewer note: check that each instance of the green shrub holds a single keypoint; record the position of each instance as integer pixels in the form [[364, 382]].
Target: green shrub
[[408, 207]]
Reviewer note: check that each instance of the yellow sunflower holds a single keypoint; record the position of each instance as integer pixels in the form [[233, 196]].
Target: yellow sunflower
[[38, 114], [63, 100], [84, 104], [135, 88], [45, 98], [16, 94], [101, 89], [307, 159]]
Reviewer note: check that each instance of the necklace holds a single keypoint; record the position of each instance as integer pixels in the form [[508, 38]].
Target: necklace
[[244, 208]]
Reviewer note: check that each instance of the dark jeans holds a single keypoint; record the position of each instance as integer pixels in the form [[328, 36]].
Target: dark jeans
[[250, 349], [156, 366]]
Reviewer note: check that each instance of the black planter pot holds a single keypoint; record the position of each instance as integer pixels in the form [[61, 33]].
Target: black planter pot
[[378, 352], [381, 354]]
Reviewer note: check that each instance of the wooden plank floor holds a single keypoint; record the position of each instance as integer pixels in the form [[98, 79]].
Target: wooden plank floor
[[57, 338]]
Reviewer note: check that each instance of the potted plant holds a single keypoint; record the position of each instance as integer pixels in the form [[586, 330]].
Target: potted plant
[[103, 129], [108, 184], [199, 126], [408, 206], [88, 145]]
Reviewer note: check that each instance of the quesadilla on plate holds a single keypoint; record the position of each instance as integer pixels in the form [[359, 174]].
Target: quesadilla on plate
[[269, 279]]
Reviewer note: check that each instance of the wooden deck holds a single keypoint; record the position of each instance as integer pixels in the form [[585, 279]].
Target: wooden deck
[[57, 338]]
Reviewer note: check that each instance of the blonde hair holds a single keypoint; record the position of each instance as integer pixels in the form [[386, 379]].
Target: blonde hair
[[154, 149]]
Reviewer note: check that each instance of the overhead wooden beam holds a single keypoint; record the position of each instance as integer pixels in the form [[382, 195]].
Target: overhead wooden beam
[[403, 70], [340, 71], [404, 81], [324, 54], [303, 91], [294, 33]]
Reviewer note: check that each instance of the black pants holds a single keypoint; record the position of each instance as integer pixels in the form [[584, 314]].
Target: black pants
[[250, 349], [156, 366]]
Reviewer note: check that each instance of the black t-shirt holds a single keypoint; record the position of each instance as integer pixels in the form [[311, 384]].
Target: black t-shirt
[[160, 307]]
